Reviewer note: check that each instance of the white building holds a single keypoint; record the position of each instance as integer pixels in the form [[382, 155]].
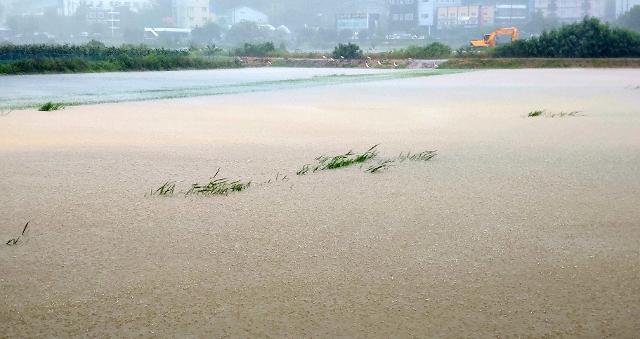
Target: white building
[[428, 11], [240, 14], [69, 7], [191, 13]]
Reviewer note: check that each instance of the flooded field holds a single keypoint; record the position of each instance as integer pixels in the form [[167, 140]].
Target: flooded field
[[32, 90], [520, 226]]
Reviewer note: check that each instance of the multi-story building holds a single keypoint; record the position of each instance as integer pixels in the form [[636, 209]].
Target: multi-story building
[[403, 15], [426, 13], [69, 7], [512, 12], [191, 13], [487, 15], [465, 16], [240, 14], [572, 10]]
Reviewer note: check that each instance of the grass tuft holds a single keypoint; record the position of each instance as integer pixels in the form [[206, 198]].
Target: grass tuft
[[536, 113], [383, 165], [51, 106], [422, 156], [554, 115], [339, 161], [565, 114], [221, 186], [167, 189], [16, 240]]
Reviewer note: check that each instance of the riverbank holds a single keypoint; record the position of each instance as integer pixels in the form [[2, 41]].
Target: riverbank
[[514, 63]]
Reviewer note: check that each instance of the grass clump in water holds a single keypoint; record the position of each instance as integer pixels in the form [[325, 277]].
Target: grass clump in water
[[554, 115], [167, 189], [221, 186], [381, 166], [16, 240], [51, 106], [422, 156], [339, 161], [565, 114]]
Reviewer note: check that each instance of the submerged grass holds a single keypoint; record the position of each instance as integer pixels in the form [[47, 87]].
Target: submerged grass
[[51, 106], [560, 114], [535, 113], [339, 161], [221, 186], [422, 156], [16, 240], [167, 189], [381, 166]]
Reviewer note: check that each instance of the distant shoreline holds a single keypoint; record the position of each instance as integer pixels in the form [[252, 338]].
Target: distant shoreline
[[70, 66]]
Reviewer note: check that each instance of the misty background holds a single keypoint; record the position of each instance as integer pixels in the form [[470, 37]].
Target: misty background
[[293, 24]]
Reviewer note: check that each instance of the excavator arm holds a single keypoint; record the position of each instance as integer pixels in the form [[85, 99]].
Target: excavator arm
[[489, 40]]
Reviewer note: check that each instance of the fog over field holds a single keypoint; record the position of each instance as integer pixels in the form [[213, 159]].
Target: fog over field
[[296, 24]]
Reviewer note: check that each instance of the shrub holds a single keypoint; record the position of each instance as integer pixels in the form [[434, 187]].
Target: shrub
[[433, 50], [587, 39], [347, 51], [256, 50]]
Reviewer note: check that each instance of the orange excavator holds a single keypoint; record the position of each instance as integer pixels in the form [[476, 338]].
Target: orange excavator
[[490, 39]]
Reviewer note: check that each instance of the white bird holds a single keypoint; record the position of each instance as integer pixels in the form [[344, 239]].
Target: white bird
[[394, 64], [269, 62], [341, 57], [332, 59], [435, 66], [379, 63], [369, 57], [367, 64], [324, 57]]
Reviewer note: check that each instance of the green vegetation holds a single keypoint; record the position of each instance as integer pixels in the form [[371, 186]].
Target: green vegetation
[[422, 156], [221, 186], [224, 186], [587, 39], [347, 51], [167, 189], [51, 106], [540, 113], [434, 50], [489, 63], [16, 240], [382, 165], [265, 49], [339, 161], [96, 57]]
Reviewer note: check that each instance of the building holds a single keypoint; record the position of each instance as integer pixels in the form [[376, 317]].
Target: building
[[354, 22], [426, 13], [240, 14], [191, 13], [465, 16], [403, 15], [512, 12], [623, 6], [572, 10], [70, 7], [487, 15]]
